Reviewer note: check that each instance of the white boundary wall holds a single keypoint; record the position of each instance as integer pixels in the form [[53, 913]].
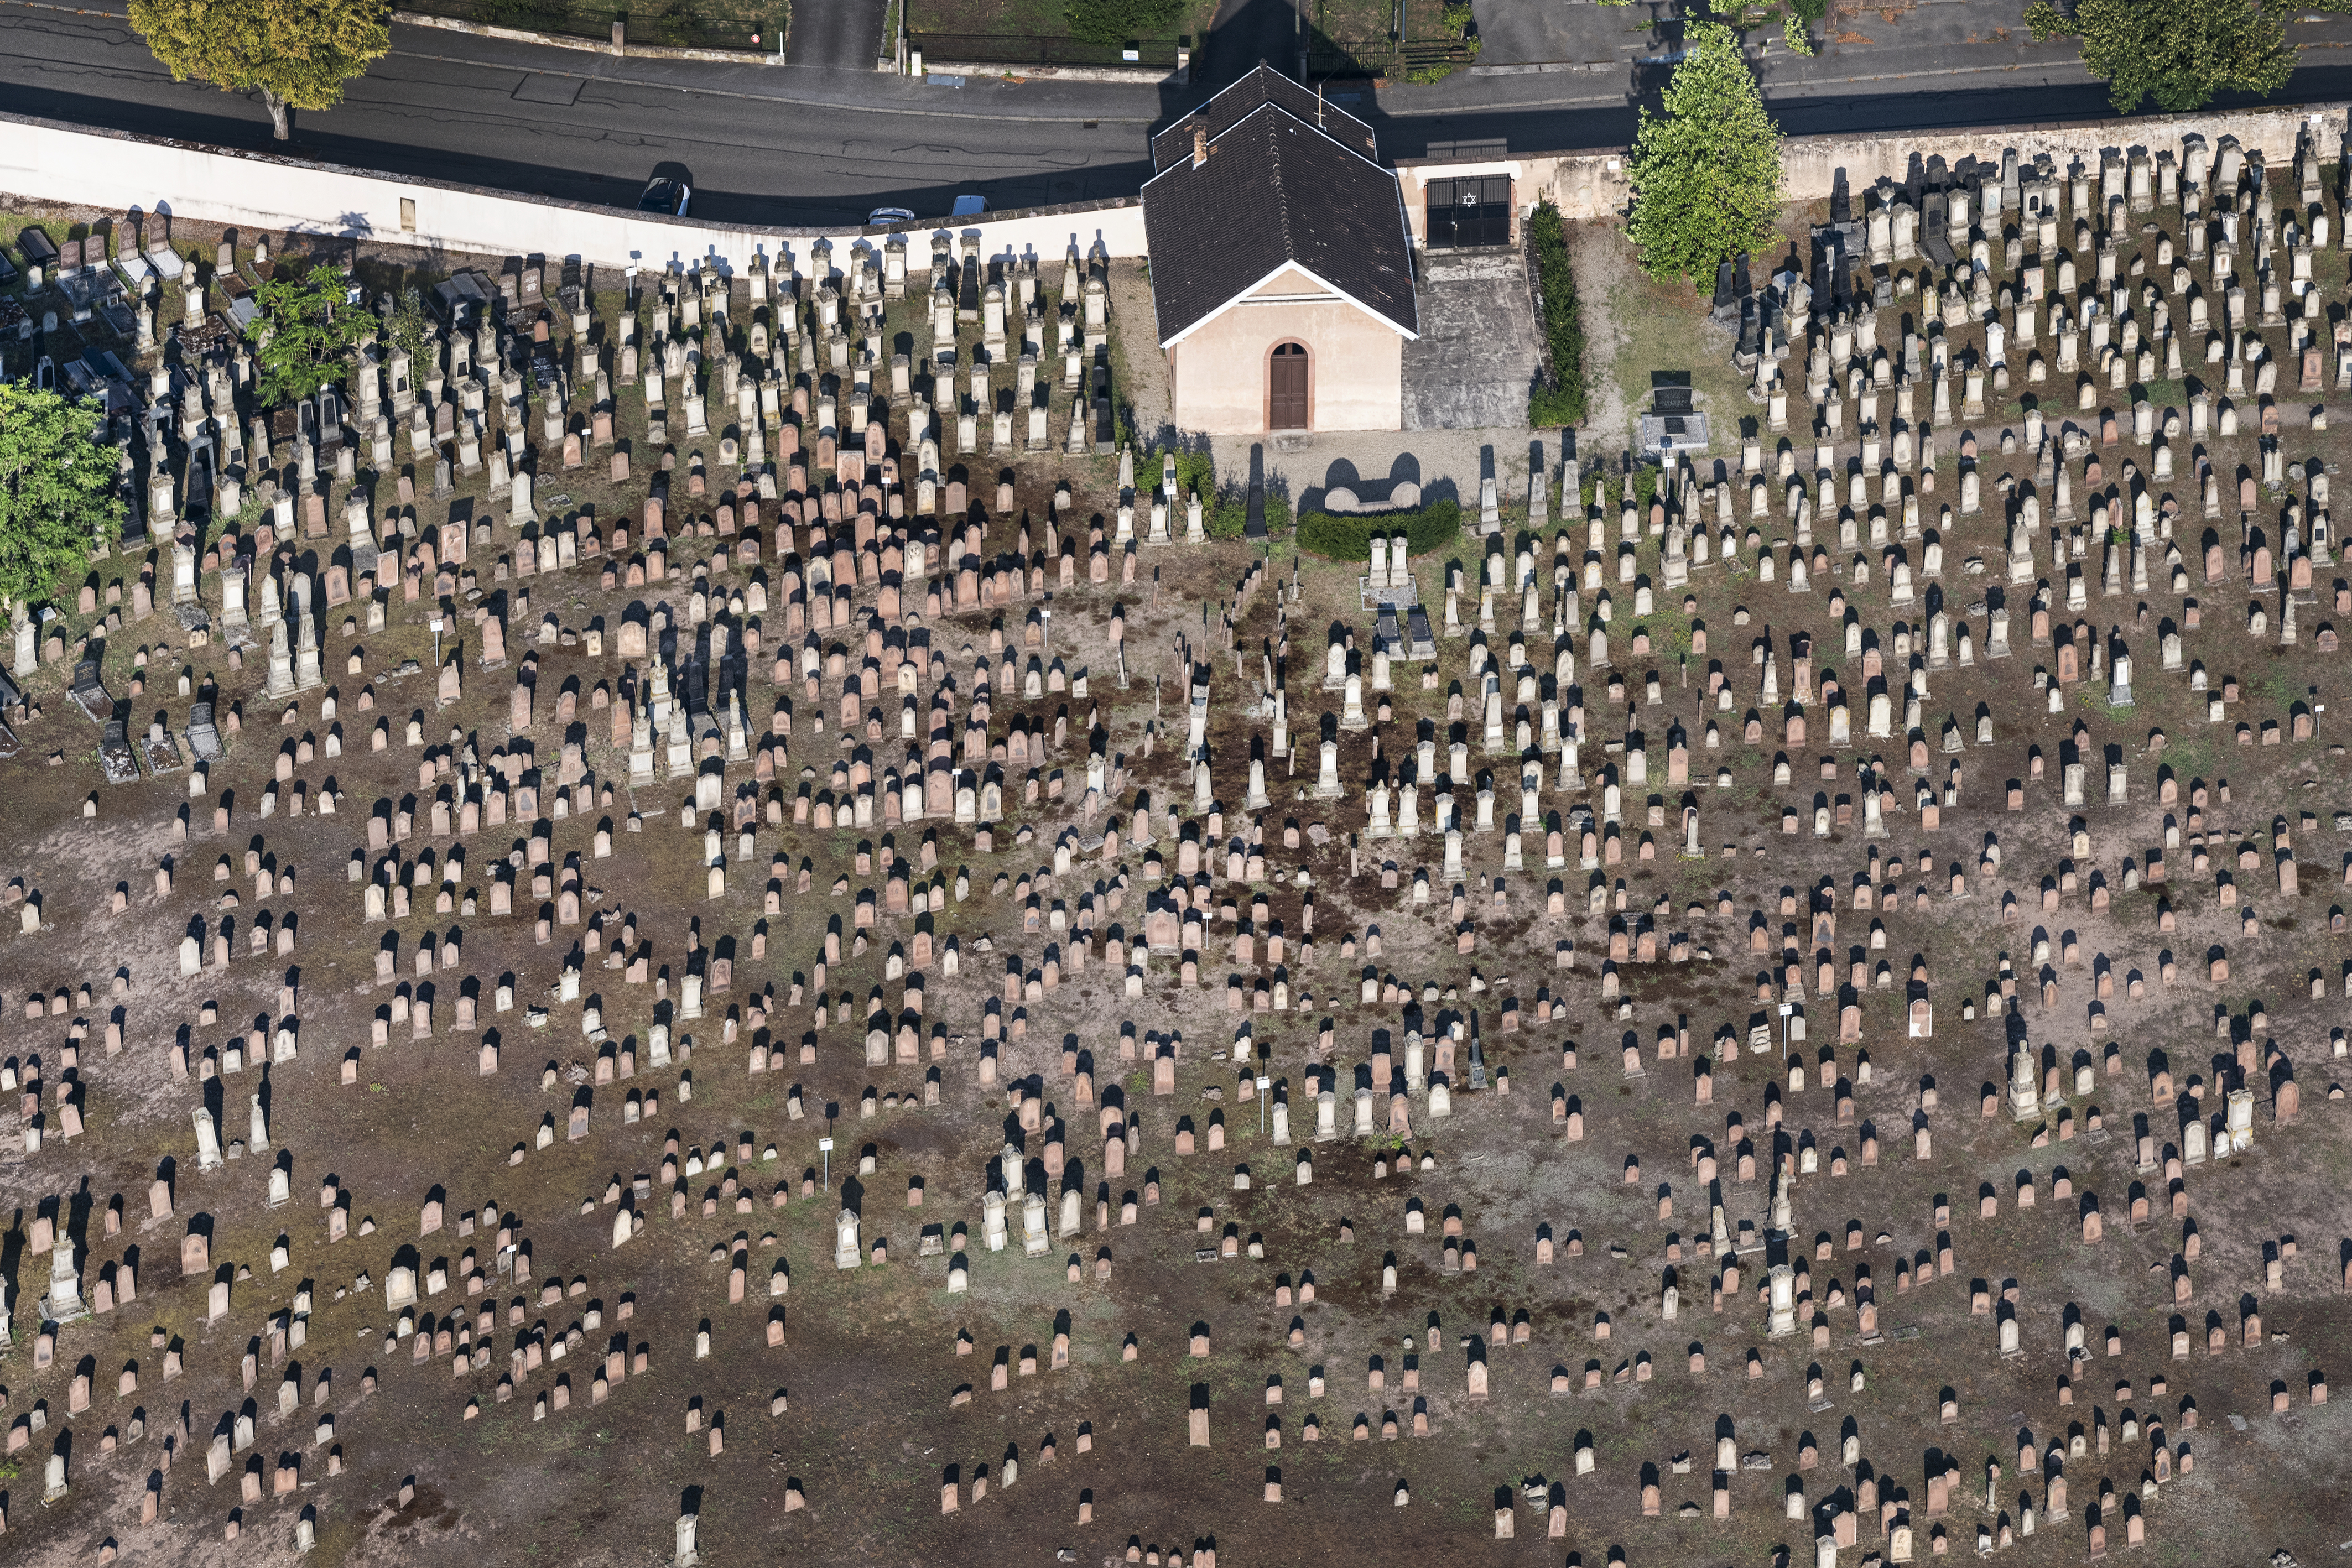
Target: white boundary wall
[[278, 195], [1591, 185]]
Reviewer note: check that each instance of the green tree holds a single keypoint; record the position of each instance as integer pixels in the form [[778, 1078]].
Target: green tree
[[410, 327], [2178, 52], [304, 335], [1706, 172], [294, 53], [56, 490]]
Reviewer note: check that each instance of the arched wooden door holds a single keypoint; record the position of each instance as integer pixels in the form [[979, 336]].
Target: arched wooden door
[[1286, 387]]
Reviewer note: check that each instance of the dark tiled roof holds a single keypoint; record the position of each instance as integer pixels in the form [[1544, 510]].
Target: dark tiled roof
[[1274, 190], [1232, 104]]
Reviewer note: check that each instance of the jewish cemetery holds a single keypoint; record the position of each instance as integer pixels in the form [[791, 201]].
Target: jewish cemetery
[[977, 893]]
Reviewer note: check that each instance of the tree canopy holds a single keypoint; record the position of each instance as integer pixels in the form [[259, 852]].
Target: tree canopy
[[304, 333], [297, 53], [58, 499], [1707, 171], [2178, 52]]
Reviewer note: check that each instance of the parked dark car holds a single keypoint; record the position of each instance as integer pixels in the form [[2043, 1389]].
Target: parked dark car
[[665, 194]]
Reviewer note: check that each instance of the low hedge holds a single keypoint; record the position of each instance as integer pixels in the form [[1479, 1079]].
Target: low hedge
[[1559, 399], [1349, 538]]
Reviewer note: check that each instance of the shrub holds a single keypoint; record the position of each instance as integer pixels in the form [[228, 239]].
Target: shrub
[[1196, 473], [1225, 516], [1349, 538], [1224, 508], [1560, 400], [1606, 490]]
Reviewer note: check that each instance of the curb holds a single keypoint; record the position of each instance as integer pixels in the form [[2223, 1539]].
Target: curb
[[1138, 77]]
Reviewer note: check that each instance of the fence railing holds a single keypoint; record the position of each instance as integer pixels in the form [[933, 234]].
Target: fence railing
[[1329, 57]]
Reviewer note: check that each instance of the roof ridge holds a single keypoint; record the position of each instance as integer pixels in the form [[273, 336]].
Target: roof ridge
[[1230, 224]]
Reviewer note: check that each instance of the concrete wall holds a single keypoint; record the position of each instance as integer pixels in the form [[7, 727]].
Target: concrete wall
[[1592, 185], [276, 194], [1416, 175], [56, 161], [1218, 378]]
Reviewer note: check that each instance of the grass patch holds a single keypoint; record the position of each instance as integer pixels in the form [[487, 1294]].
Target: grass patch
[[1663, 326], [1116, 21], [1145, 21], [1356, 21]]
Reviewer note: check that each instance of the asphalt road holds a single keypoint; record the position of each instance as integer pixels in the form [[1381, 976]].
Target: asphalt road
[[802, 144], [761, 143]]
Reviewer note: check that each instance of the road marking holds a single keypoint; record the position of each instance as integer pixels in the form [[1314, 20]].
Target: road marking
[[561, 92]]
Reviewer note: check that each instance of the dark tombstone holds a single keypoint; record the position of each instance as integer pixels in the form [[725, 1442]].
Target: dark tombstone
[[1254, 528], [114, 754], [88, 693], [39, 250]]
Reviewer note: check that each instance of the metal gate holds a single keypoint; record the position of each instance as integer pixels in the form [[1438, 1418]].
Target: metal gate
[[1470, 212]]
